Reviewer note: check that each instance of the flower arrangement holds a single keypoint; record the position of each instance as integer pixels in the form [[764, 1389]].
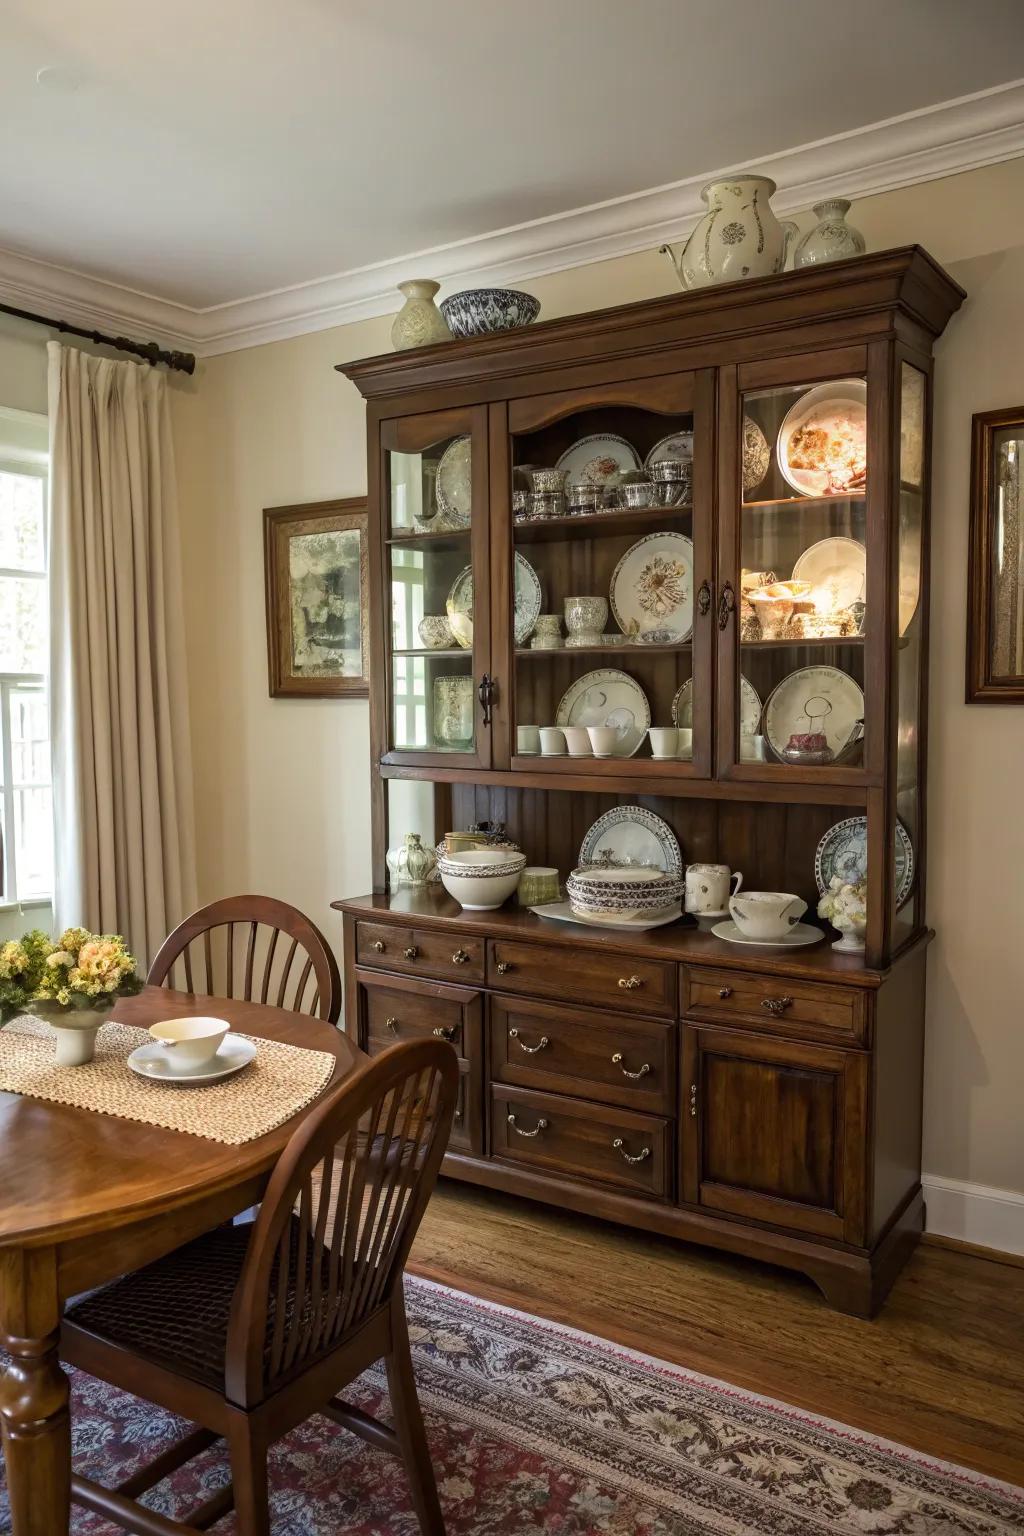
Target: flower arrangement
[[81, 971], [844, 905]]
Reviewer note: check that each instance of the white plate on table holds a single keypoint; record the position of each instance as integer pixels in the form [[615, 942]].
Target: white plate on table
[[562, 912], [154, 1062], [796, 938]]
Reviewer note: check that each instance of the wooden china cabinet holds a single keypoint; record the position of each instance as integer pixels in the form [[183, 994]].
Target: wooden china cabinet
[[765, 1102]]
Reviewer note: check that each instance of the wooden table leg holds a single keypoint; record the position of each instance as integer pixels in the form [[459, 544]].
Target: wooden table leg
[[34, 1396]]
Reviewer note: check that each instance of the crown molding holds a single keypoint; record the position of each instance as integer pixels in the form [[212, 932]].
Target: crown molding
[[934, 142]]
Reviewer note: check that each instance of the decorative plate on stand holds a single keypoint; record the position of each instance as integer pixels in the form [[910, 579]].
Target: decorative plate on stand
[[652, 587], [598, 460], [837, 565], [677, 446], [608, 697], [750, 707], [629, 835], [814, 700], [822, 443], [843, 851], [528, 603], [453, 488]]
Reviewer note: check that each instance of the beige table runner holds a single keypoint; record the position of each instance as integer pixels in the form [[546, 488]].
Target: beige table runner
[[281, 1080]]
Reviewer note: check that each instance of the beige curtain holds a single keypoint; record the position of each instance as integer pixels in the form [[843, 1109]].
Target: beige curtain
[[122, 767]]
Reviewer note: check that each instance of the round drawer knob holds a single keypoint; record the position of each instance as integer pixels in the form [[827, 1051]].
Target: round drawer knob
[[460, 957], [725, 992], [446, 1032], [503, 967], [411, 952], [392, 1023], [378, 946]]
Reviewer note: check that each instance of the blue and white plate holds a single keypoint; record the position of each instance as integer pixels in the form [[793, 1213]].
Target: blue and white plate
[[843, 851]]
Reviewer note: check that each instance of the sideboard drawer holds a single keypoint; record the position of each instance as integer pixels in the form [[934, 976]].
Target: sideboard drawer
[[420, 951], [585, 975], [396, 1008], [552, 1134], [595, 1055], [777, 1004]]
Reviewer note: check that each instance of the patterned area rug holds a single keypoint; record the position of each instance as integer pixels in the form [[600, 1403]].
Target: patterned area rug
[[537, 1429]]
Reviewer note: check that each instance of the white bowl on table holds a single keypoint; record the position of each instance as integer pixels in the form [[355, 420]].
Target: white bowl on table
[[480, 879], [192, 1042]]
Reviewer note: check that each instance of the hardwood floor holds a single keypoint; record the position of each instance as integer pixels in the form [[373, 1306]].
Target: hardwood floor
[[941, 1369]]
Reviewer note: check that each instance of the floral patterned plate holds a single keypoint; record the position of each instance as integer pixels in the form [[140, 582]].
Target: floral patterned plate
[[843, 852], [608, 697], [453, 488], [527, 603], [598, 460], [677, 446], [652, 586]]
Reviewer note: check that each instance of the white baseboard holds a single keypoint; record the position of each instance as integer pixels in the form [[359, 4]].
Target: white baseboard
[[974, 1213]]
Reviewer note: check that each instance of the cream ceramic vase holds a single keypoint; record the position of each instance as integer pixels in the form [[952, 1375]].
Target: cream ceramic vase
[[738, 237], [831, 239], [412, 864], [419, 322]]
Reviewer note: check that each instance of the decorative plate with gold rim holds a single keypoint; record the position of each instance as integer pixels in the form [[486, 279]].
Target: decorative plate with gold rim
[[652, 587]]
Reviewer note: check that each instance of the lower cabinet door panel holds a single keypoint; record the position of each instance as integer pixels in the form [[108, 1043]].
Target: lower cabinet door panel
[[773, 1130], [581, 1140], [467, 1127]]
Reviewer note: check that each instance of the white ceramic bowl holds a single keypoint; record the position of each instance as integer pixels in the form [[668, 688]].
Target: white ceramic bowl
[[480, 879], [190, 1042]]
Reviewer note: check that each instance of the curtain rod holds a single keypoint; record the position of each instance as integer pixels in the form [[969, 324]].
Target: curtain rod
[[178, 362]]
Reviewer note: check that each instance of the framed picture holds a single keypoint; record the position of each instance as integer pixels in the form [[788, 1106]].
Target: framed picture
[[995, 583], [317, 630]]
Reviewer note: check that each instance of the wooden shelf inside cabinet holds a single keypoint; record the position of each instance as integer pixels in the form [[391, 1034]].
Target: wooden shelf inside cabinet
[[455, 654], [442, 538], [627, 648], [552, 529], [809, 642], [804, 501]]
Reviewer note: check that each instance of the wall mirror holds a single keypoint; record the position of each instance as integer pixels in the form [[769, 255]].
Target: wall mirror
[[995, 586]]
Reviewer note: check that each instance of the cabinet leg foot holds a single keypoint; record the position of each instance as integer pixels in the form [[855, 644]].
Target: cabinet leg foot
[[859, 1285]]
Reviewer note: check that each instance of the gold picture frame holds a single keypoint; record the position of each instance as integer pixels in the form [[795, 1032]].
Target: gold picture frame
[[315, 562]]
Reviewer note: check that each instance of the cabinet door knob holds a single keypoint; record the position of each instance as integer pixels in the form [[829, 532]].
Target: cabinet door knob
[[446, 1032], [541, 1125], [531, 1050], [617, 1061], [776, 1006], [630, 983], [392, 1023], [378, 946], [620, 1147], [411, 952], [693, 1100], [460, 957], [503, 967], [703, 599], [726, 604], [725, 991]]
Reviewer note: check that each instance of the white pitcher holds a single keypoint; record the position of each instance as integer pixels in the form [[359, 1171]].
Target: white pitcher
[[738, 237]]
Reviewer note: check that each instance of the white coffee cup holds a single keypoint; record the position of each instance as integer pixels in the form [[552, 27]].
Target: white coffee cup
[[577, 740], [191, 1042], [708, 887], [766, 915], [527, 739], [684, 746], [603, 739], [552, 741], [664, 740], [752, 749]]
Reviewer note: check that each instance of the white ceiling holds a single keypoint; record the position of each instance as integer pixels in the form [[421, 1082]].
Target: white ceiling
[[203, 151]]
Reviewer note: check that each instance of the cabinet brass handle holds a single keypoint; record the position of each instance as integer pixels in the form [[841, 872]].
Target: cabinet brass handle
[[411, 952], [392, 1023], [630, 983], [503, 967], [460, 957], [693, 1100], [620, 1147], [541, 1125], [617, 1061], [776, 1006], [446, 1032], [725, 991], [704, 599], [378, 946], [726, 604], [531, 1050]]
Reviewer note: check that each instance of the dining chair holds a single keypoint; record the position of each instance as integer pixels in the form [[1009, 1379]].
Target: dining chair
[[248, 1330], [256, 949]]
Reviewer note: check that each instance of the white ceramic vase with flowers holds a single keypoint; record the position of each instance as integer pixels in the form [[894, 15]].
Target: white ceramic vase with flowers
[[845, 906], [73, 984]]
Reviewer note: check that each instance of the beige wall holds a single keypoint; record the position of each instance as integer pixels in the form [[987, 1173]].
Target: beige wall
[[282, 786]]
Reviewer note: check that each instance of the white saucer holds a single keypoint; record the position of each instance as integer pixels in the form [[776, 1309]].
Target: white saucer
[[796, 938], [562, 912], [707, 920], [153, 1061]]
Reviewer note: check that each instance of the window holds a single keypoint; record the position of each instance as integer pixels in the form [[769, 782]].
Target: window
[[26, 801]]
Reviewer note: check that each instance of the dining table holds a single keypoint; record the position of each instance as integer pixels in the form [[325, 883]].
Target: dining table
[[88, 1197]]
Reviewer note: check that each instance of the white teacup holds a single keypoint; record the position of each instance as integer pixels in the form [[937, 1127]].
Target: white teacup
[[603, 739], [552, 741], [684, 745], [708, 887], [664, 740], [191, 1042], [527, 739], [766, 915], [577, 740]]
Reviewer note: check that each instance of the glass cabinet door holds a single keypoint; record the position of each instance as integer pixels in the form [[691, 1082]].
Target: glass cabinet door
[[794, 604], [610, 516], [435, 578]]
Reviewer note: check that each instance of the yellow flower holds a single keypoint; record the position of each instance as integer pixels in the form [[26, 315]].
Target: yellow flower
[[13, 959]]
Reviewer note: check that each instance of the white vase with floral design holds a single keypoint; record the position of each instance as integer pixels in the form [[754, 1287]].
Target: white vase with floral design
[[738, 237], [419, 322], [831, 239]]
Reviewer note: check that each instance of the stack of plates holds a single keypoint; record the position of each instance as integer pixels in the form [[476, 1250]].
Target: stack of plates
[[607, 894]]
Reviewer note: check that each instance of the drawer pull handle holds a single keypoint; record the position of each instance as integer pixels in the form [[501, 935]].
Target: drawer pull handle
[[693, 1100], [411, 952], [724, 992], [620, 1147], [503, 967], [776, 1006], [531, 1050], [378, 946], [460, 957], [392, 1023], [630, 983], [446, 1032], [617, 1061], [458, 1114], [541, 1125]]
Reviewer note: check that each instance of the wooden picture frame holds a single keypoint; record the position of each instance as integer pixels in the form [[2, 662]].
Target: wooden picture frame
[[995, 599], [310, 625]]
